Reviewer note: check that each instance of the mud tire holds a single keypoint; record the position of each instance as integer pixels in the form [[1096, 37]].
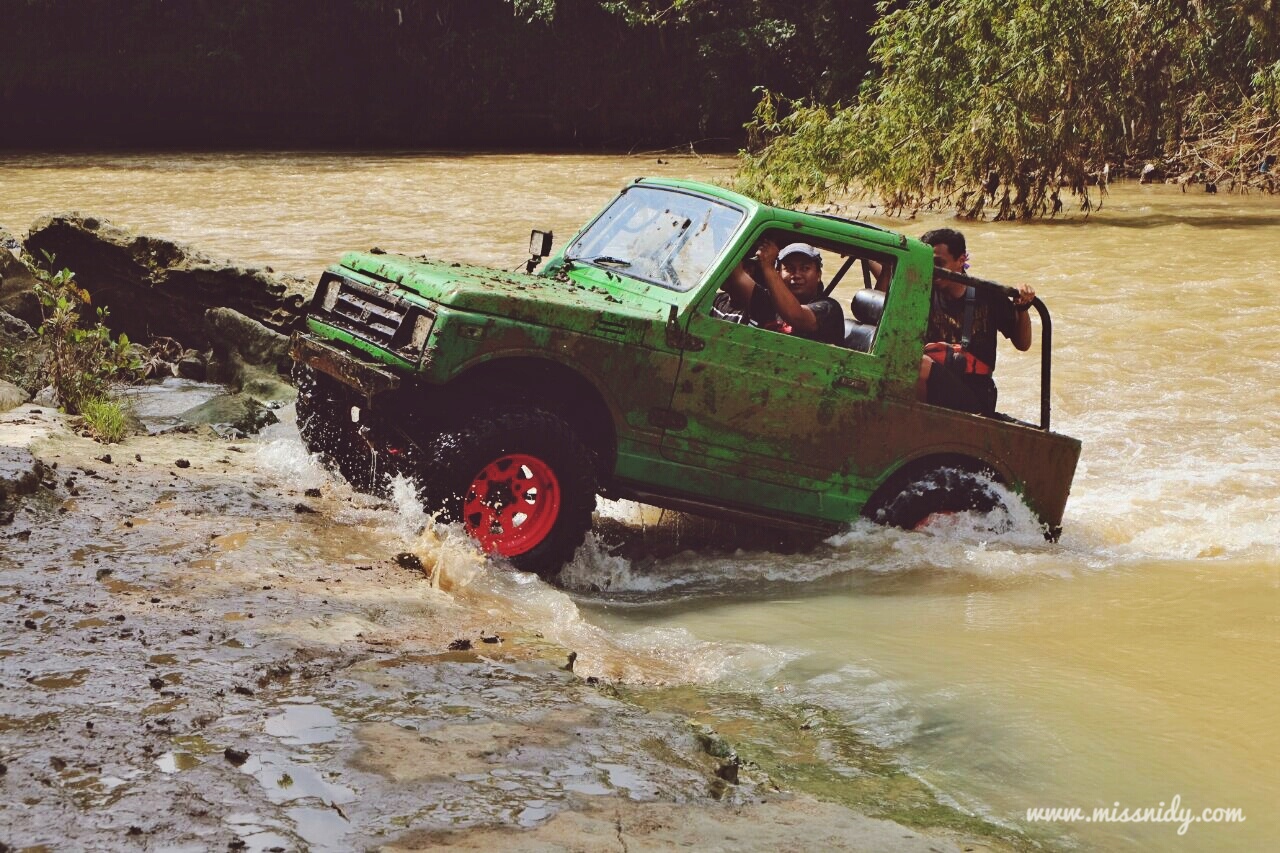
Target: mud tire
[[324, 424], [941, 491], [457, 459]]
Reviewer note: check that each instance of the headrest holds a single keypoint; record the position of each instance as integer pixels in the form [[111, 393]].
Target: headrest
[[868, 305]]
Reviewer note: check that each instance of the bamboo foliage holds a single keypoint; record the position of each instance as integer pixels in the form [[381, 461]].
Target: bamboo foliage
[[1009, 108]]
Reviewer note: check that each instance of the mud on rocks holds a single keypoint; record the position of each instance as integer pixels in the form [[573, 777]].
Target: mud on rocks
[[225, 656]]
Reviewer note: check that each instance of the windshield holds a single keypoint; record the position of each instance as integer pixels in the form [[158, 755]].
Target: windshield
[[659, 235]]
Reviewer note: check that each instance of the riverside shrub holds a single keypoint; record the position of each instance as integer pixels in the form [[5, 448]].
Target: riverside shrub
[[83, 361]]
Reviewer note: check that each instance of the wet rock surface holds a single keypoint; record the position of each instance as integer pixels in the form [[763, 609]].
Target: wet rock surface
[[11, 396], [241, 341], [21, 473], [17, 301], [232, 415], [191, 663]]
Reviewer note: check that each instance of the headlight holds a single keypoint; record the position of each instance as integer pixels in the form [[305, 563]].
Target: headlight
[[330, 296]]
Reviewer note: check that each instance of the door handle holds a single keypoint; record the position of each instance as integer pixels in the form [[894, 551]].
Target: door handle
[[853, 383]]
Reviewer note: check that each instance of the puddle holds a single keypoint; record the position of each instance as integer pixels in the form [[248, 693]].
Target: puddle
[[285, 781], [174, 762], [624, 778], [322, 828], [259, 834], [196, 745], [158, 406], [304, 724]]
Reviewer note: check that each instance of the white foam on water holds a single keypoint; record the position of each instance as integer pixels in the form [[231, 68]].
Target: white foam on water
[[1197, 509], [647, 656], [281, 453], [595, 568], [1005, 543]]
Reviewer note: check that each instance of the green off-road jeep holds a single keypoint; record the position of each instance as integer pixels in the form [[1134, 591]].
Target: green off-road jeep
[[513, 399]]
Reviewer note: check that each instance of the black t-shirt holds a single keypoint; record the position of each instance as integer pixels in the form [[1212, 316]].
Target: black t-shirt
[[827, 311], [992, 312]]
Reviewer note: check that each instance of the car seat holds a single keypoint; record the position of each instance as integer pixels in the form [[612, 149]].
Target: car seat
[[860, 332]]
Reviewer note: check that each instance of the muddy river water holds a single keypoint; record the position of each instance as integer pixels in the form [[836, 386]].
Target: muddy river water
[[1133, 665]]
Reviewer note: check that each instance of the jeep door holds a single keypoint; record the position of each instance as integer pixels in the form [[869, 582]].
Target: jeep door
[[756, 405]]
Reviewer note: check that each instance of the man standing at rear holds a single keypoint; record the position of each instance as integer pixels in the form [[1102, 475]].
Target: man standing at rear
[[960, 355]]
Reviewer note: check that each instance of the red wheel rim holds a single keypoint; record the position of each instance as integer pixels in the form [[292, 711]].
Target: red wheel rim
[[932, 518], [512, 504]]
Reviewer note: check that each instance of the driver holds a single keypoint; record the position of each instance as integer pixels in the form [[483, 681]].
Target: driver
[[782, 290]]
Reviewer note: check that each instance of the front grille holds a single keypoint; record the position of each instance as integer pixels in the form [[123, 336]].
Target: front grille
[[367, 312]]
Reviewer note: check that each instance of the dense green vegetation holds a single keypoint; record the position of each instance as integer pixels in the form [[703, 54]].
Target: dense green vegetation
[[407, 73], [1003, 108], [999, 107]]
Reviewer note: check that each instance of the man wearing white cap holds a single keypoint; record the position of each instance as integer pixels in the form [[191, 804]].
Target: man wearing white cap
[[789, 298]]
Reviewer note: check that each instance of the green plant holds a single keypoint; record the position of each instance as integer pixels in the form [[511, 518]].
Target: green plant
[[10, 361], [1002, 108], [105, 419], [83, 362]]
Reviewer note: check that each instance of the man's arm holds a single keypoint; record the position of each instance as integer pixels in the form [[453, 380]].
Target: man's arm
[[795, 315], [1021, 337], [740, 285], [878, 271]]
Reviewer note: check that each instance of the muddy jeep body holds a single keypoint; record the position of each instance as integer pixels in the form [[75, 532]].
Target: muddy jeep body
[[622, 369]]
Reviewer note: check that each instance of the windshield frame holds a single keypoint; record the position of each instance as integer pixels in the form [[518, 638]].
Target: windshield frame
[[610, 261]]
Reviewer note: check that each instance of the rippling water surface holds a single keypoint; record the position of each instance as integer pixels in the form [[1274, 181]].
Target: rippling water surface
[[1133, 662]]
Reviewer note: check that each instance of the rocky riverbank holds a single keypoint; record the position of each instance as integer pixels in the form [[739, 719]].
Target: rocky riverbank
[[211, 645], [189, 315]]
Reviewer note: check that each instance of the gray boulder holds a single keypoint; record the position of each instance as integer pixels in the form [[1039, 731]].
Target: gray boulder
[[11, 396], [248, 355], [231, 415], [16, 282], [13, 327]]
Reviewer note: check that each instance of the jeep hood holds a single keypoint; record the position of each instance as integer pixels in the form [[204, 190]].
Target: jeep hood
[[547, 301]]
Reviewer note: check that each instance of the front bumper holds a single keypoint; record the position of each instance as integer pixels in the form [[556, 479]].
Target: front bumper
[[368, 379]]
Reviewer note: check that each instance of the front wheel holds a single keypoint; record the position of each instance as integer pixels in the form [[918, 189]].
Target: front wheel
[[326, 429], [519, 480]]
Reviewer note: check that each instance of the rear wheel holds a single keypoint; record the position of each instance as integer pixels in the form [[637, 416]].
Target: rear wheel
[[941, 492], [519, 481]]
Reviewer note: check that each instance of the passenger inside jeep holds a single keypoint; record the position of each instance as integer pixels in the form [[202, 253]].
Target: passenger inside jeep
[[781, 289]]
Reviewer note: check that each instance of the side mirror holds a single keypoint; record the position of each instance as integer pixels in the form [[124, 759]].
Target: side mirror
[[539, 248]]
